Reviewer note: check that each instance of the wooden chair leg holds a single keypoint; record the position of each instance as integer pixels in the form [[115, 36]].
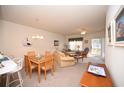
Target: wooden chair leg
[[53, 68], [39, 73], [27, 70], [52, 71], [82, 59], [77, 60], [30, 73], [45, 71], [45, 74]]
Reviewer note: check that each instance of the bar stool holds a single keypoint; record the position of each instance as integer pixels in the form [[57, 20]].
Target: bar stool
[[17, 70]]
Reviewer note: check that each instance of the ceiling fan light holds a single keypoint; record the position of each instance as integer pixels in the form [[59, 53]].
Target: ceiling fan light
[[41, 37], [33, 37], [83, 33]]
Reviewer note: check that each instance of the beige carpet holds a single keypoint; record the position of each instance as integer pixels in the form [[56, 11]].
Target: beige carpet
[[63, 77]]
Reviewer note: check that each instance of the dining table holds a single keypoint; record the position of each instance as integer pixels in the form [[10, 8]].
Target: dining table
[[39, 61]]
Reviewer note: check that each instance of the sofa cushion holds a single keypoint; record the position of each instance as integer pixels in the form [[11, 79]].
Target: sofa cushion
[[61, 54], [67, 58]]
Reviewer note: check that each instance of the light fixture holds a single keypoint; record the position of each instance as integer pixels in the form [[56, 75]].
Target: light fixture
[[37, 37], [33, 37], [41, 37], [83, 32]]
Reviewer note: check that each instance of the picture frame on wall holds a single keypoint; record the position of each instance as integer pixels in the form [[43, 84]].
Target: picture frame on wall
[[109, 34], [110, 37], [86, 41], [119, 27], [56, 42]]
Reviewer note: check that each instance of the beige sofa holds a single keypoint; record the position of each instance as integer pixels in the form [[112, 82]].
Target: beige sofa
[[63, 60]]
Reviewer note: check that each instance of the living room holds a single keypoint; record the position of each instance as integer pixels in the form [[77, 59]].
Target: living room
[[64, 31]]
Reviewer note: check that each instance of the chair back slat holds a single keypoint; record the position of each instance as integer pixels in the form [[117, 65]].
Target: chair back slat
[[31, 54], [49, 60], [86, 50]]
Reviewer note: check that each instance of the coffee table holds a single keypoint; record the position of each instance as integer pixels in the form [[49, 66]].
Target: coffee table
[[91, 80], [76, 56]]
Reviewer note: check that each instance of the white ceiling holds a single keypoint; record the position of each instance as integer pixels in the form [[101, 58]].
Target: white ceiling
[[60, 19]]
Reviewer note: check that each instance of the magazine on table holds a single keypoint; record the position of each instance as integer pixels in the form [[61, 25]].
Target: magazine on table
[[96, 70]]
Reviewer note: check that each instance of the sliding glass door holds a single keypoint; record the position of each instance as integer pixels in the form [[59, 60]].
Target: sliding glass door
[[96, 47]]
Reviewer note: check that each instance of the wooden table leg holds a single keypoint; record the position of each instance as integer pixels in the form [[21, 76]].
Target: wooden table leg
[[39, 73], [26, 68], [45, 71], [54, 68], [82, 59], [77, 60]]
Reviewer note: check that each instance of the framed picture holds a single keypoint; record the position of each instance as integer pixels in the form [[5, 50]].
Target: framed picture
[[109, 33], [56, 42], [86, 41], [119, 27]]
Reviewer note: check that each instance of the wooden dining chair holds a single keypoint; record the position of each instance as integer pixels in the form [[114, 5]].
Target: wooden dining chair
[[48, 64], [31, 65], [48, 54], [30, 54]]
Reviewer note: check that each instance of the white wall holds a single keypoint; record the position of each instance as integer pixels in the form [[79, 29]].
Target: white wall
[[114, 55], [0, 35], [13, 36]]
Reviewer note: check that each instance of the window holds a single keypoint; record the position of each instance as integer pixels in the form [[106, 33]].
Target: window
[[75, 44]]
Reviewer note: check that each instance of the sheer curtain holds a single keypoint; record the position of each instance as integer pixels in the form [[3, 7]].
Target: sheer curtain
[[75, 45]]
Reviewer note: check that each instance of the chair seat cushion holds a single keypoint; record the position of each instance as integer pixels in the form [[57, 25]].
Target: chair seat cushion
[[47, 67], [33, 66]]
